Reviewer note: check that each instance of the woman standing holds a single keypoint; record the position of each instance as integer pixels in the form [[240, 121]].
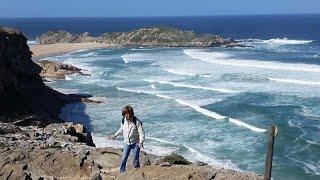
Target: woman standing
[[133, 136]]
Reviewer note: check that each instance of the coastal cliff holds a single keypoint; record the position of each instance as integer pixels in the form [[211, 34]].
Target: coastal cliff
[[24, 98], [153, 36]]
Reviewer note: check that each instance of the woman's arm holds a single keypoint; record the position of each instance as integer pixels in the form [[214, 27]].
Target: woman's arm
[[141, 132], [119, 131]]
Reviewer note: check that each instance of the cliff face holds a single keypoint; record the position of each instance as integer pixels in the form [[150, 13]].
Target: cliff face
[[156, 36], [23, 95]]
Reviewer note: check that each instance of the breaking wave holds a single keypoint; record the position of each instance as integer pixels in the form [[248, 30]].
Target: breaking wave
[[199, 109], [295, 81], [191, 86], [226, 59]]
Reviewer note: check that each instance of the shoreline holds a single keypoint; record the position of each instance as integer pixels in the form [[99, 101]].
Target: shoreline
[[43, 50]]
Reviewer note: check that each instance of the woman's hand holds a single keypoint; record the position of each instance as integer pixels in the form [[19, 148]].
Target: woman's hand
[[140, 145], [111, 137]]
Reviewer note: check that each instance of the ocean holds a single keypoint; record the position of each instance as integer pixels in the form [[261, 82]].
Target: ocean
[[207, 104]]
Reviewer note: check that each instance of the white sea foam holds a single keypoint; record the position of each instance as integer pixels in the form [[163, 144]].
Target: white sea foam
[[173, 71], [295, 81], [76, 62], [97, 98], [140, 49], [308, 167], [158, 150], [312, 142], [88, 54], [67, 91], [134, 91], [285, 41], [103, 141], [160, 140], [196, 155], [205, 101], [223, 90], [83, 63], [31, 43], [315, 55], [68, 78], [80, 50], [134, 57], [153, 86], [48, 80], [276, 41], [199, 109], [179, 72], [226, 59]]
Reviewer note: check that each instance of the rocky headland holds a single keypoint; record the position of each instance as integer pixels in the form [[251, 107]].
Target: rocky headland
[[24, 98], [153, 36], [57, 70], [36, 144]]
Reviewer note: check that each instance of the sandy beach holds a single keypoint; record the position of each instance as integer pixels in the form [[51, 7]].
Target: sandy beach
[[42, 50]]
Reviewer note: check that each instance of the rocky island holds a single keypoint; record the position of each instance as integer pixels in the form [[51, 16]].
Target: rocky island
[[153, 36], [36, 144]]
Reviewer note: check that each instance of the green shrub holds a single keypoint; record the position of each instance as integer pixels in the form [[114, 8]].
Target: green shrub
[[2, 145], [176, 159]]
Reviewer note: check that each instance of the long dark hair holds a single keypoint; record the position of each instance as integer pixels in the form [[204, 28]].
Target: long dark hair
[[127, 110]]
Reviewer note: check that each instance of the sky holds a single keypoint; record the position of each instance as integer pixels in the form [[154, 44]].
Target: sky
[[137, 8]]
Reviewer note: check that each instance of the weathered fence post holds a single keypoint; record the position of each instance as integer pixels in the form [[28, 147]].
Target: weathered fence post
[[268, 164]]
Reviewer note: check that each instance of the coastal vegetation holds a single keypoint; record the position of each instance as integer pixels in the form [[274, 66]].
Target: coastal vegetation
[[152, 36]]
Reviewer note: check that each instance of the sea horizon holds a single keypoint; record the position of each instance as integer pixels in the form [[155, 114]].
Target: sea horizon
[[228, 26]]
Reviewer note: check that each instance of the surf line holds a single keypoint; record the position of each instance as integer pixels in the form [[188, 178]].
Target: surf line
[[295, 81], [199, 109], [191, 86]]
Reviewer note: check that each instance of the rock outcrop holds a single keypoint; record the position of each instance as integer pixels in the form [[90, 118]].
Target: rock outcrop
[[24, 98], [64, 37], [65, 151], [155, 36], [56, 70]]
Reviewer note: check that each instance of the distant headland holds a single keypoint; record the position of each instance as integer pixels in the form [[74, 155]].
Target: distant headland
[[152, 36]]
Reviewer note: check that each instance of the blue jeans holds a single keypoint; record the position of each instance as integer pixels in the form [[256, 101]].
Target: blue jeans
[[135, 156]]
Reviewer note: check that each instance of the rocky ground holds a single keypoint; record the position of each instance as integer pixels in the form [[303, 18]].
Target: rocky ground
[[153, 36], [66, 151]]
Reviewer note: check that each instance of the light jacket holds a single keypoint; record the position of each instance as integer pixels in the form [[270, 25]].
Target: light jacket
[[131, 133]]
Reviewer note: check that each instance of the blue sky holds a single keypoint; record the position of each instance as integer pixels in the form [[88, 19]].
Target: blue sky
[[127, 8]]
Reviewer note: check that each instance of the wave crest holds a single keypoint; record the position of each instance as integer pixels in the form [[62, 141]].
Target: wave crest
[[191, 86], [295, 81], [217, 58], [199, 109]]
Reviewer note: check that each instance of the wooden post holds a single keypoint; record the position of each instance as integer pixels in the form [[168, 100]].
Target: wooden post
[[268, 164]]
